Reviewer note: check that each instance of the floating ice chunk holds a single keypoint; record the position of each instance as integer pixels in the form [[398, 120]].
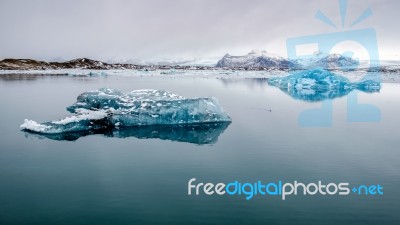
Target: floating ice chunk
[[316, 79], [108, 108], [319, 84]]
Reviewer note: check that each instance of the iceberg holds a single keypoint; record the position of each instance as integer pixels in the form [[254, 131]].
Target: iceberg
[[107, 109], [319, 84]]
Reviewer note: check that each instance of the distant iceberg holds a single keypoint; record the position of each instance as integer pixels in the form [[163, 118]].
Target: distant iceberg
[[106, 109], [319, 84]]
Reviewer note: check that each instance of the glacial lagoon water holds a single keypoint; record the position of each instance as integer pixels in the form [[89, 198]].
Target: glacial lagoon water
[[140, 176]]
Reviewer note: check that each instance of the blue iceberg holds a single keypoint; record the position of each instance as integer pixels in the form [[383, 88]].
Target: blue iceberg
[[106, 109], [319, 84]]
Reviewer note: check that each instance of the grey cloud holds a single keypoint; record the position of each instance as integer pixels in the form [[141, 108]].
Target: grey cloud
[[105, 29]]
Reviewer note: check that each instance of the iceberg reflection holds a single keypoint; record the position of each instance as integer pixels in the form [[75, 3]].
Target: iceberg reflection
[[205, 133], [318, 85]]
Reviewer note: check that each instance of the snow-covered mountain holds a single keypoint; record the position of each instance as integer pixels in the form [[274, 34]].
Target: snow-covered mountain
[[30, 64], [262, 59], [80, 63], [329, 61], [256, 59]]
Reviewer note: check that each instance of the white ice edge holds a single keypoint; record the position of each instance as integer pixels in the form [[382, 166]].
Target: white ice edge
[[82, 115], [390, 77], [33, 126], [140, 73]]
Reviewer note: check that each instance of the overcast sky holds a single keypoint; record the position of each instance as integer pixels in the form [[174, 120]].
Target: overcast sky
[[150, 30]]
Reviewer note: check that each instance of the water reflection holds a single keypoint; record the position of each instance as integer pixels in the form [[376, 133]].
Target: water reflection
[[310, 95], [27, 77], [195, 133], [251, 83], [318, 85]]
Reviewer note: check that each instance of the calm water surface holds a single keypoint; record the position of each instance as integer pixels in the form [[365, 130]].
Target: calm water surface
[[133, 179]]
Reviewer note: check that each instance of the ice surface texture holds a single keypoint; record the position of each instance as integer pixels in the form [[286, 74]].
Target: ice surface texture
[[106, 109], [318, 84]]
